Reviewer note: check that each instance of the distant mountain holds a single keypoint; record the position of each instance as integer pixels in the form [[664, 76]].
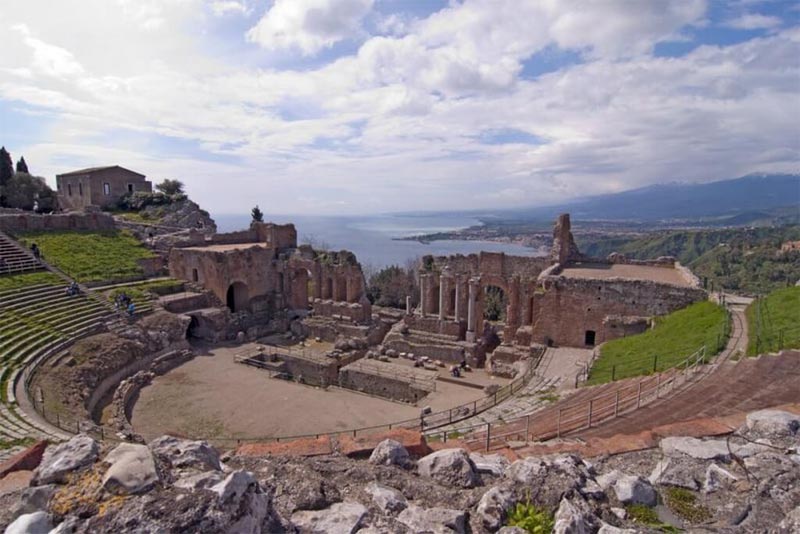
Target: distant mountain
[[749, 198]]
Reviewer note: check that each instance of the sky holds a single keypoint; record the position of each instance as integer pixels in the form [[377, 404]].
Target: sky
[[372, 106]]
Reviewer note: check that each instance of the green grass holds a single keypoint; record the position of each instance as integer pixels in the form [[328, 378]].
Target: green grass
[[21, 442], [674, 338], [774, 322], [18, 281], [643, 515], [92, 256], [684, 503]]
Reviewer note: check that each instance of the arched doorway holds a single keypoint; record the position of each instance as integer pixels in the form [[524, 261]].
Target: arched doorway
[[237, 298], [302, 287]]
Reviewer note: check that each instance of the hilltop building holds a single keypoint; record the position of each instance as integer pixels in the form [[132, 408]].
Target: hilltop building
[[98, 186]]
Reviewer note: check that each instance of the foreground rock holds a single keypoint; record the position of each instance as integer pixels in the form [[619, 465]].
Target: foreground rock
[[177, 485], [68, 457], [449, 466]]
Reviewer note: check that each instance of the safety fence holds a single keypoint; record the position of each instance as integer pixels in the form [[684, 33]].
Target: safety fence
[[556, 421]]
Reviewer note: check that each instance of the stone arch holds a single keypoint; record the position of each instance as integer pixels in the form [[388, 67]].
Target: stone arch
[[495, 302], [237, 297], [300, 288]]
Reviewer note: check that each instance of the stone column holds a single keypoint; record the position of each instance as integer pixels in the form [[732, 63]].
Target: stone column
[[442, 292], [473, 294], [408, 305], [457, 310], [422, 280], [512, 311]]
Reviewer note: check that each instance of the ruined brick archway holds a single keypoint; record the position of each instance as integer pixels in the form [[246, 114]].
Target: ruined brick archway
[[237, 297]]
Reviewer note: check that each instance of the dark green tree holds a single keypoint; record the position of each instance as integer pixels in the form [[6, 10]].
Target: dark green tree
[[22, 166], [6, 167], [389, 287], [257, 214], [170, 187]]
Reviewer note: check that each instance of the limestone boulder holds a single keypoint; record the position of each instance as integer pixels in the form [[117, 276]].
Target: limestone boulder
[[450, 467], [184, 453], [386, 498], [712, 449], [197, 481], [57, 461], [35, 499], [791, 523], [390, 452], [772, 423], [680, 472], [574, 517], [435, 520], [717, 478], [550, 478], [512, 530], [631, 489], [493, 507], [341, 518], [489, 464], [132, 469], [605, 528], [35, 523]]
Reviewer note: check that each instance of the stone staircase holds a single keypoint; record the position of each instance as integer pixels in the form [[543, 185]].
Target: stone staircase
[[17, 258]]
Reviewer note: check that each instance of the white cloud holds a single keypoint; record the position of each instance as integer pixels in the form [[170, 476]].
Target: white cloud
[[397, 125], [754, 21], [221, 8], [309, 25]]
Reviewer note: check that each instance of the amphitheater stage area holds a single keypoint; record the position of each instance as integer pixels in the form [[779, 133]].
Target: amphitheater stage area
[[212, 397], [664, 275]]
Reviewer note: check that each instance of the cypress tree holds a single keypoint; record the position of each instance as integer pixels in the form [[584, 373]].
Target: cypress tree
[[22, 166], [6, 167]]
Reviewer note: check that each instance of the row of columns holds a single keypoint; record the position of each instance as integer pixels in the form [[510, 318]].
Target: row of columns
[[457, 292]]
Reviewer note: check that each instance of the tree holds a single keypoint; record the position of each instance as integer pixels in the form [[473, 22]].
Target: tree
[[6, 167], [391, 285], [170, 187], [22, 166], [257, 215]]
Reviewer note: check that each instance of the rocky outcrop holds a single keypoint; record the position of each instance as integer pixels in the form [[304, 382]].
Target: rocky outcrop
[[174, 484]]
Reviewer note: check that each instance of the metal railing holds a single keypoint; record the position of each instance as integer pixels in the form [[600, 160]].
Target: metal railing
[[556, 422]]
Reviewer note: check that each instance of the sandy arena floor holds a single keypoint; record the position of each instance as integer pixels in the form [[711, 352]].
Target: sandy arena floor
[[212, 397]]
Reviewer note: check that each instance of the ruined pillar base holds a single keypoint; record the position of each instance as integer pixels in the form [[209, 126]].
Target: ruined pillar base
[[470, 336]]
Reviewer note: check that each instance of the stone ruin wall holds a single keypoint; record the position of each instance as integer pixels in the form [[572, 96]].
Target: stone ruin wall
[[27, 222], [566, 308], [359, 378]]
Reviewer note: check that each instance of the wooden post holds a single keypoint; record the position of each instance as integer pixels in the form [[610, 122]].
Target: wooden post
[[655, 362], [639, 395], [613, 372], [558, 424], [616, 404], [527, 427], [658, 384], [451, 415], [591, 402]]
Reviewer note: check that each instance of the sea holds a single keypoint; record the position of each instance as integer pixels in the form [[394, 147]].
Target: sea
[[374, 238]]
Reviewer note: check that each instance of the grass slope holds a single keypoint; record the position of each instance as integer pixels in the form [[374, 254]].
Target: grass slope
[[91, 256], [18, 281], [674, 338], [774, 322]]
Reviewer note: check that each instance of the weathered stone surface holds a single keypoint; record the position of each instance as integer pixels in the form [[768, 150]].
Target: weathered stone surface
[[341, 518], [35, 523], [712, 449], [132, 469], [451, 467], [512, 530], [493, 506], [390, 452], [35, 499], [386, 498], [591, 489], [59, 460], [198, 481], [186, 453], [772, 423], [716, 477], [528, 471], [634, 490], [435, 520], [490, 464], [680, 472], [606, 480], [790, 523], [605, 528], [574, 517], [234, 486]]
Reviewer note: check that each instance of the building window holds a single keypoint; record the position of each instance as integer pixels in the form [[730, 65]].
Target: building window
[[107, 189], [130, 188], [80, 188], [69, 190]]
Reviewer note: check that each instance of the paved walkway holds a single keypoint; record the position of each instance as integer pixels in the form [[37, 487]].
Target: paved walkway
[[554, 377]]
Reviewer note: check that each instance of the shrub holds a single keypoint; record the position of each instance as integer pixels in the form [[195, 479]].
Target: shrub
[[684, 503], [531, 518]]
